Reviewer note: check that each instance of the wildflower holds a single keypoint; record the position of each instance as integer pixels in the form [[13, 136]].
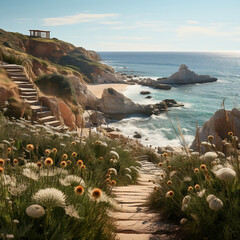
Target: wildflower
[[35, 211], [170, 194], [184, 207], [190, 188], [15, 161], [15, 221], [169, 182], [54, 150], [1, 170], [2, 162], [187, 179], [210, 156], [210, 197], [83, 167], [9, 150], [96, 193], [195, 154], [160, 164], [79, 162], [27, 172], [171, 174], [113, 183], [183, 221], [196, 170], [50, 197], [206, 144], [69, 162], [30, 147], [73, 143], [207, 177], [47, 152], [129, 176], [65, 156], [101, 158], [9, 236], [71, 211], [48, 162], [39, 164], [210, 138], [74, 154], [17, 190], [197, 187], [72, 179], [186, 199], [79, 190], [215, 204], [165, 154], [226, 174], [201, 193], [114, 154], [203, 167], [230, 134], [63, 164], [112, 171], [169, 168]]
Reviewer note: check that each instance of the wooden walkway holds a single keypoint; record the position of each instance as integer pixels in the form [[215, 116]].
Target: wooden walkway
[[134, 220]]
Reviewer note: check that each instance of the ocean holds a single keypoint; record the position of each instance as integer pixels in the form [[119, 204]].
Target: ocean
[[200, 101]]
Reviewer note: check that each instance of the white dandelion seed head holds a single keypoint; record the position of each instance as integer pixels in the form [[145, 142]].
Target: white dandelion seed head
[[31, 165], [220, 154], [195, 154], [71, 211], [128, 170], [50, 197], [72, 179], [35, 211], [9, 236], [215, 204], [171, 174], [187, 179], [201, 193], [129, 176], [206, 144], [210, 197], [186, 199], [210, 156], [113, 170], [184, 207], [17, 189], [103, 144], [9, 180], [15, 221], [29, 173], [225, 174], [114, 154]]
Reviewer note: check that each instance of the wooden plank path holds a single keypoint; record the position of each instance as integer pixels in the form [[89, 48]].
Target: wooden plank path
[[133, 218]]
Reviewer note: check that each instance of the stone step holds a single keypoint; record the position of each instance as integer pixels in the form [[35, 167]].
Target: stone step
[[29, 98], [152, 217], [33, 102], [25, 90], [39, 108], [127, 236], [19, 82], [26, 85], [47, 119], [12, 66], [55, 123], [14, 70], [44, 114], [23, 79], [16, 74]]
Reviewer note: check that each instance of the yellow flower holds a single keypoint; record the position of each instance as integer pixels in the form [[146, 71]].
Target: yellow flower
[[203, 167], [73, 143], [65, 156], [79, 190], [74, 154], [80, 162], [69, 162], [48, 162], [39, 164], [83, 166], [165, 155], [47, 152], [230, 133], [196, 170], [190, 188], [170, 194], [9, 150], [101, 158], [96, 193], [54, 150], [210, 138], [63, 164], [30, 147], [169, 168], [160, 164], [197, 187], [2, 162], [113, 182], [169, 182], [15, 161], [1, 170]]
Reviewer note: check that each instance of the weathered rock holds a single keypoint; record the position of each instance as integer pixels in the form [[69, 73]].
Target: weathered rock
[[148, 97], [162, 86], [186, 76], [145, 92], [222, 122], [94, 118], [137, 135]]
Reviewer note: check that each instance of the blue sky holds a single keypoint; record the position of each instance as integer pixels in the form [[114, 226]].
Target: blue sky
[[130, 25]]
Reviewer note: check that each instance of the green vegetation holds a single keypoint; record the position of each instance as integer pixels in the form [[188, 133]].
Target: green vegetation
[[201, 192], [69, 178]]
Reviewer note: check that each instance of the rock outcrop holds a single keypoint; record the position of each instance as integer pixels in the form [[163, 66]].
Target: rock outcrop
[[186, 76], [150, 83], [222, 122], [115, 105]]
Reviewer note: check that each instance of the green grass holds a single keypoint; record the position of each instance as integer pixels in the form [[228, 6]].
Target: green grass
[[93, 221]]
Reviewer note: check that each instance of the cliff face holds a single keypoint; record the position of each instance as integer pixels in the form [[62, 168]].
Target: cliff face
[[51, 55]]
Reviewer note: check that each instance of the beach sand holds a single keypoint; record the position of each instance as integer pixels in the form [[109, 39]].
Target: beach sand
[[97, 89]]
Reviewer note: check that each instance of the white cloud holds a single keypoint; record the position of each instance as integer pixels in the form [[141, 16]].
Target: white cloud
[[128, 38], [78, 18], [111, 23], [192, 22]]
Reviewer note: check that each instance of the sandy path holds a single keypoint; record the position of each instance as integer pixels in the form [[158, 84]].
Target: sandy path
[[97, 89]]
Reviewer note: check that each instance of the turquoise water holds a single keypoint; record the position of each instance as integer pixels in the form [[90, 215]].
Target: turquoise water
[[200, 100]]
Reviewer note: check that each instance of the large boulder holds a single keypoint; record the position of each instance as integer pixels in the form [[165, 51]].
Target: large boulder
[[186, 76], [222, 122]]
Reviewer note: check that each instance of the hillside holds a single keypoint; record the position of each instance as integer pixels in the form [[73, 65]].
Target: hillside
[[53, 55]]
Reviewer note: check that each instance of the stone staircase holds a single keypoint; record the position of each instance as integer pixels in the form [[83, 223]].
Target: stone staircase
[[28, 92], [133, 218]]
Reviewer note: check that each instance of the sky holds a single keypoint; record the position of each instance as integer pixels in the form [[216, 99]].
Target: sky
[[130, 25]]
